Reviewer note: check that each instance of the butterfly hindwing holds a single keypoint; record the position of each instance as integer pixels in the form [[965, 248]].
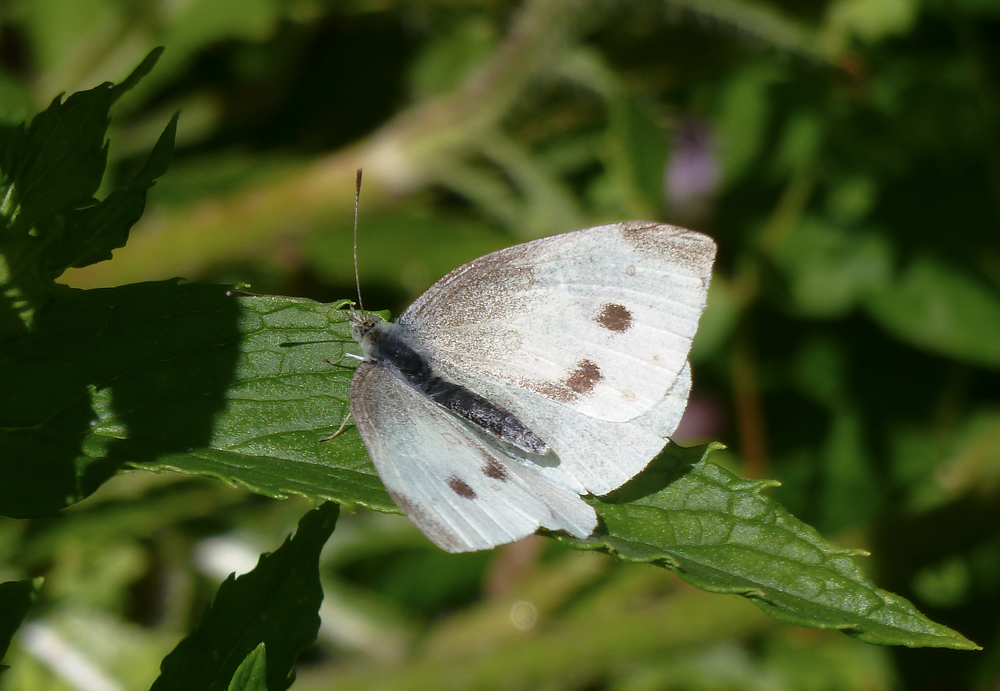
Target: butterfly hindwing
[[462, 491], [596, 456]]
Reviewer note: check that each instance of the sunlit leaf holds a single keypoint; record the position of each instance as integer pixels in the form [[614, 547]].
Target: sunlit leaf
[[251, 675], [720, 533]]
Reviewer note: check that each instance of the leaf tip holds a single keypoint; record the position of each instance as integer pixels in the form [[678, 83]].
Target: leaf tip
[[714, 446]]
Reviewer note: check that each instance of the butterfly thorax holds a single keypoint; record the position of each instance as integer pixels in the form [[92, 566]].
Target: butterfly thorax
[[389, 345]]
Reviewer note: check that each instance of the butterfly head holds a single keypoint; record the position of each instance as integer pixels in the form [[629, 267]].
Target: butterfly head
[[363, 326]]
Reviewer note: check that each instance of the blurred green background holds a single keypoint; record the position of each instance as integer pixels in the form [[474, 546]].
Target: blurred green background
[[844, 154]]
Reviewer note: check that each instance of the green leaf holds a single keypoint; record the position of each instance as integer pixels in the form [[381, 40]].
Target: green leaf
[[187, 378], [939, 307], [140, 72], [49, 219], [251, 675], [719, 533], [184, 378], [92, 233], [276, 604], [16, 598], [57, 163]]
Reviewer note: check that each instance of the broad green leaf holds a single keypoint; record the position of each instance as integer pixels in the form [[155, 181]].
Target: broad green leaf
[[185, 378], [16, 598], [251, 675], [943, 309], [189, 379], [720, 533], [276, 604]]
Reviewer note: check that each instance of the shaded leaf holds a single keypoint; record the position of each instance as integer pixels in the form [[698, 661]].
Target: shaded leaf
[[58, 161], [16, 598], [92, 233], [276, 604], [186, 378]]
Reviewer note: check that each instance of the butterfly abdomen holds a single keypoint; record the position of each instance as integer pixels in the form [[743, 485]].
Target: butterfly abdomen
[[387, 346]]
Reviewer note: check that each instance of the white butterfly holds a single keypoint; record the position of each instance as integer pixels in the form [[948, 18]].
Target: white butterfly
[[531, 376]]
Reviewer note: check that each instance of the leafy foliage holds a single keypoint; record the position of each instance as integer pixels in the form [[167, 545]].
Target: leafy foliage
[[16, 598], [275, 605], [720, 533], [251, 675]]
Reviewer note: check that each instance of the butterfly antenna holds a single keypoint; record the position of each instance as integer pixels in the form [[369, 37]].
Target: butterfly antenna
[[357, 276]]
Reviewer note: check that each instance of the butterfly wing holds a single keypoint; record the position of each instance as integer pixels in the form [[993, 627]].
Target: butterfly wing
[[594, 455], [463, 492], [599, 320]]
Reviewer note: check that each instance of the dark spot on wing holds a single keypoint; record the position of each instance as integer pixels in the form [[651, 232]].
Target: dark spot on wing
[[585, 377], [615, 318], [579, 382], [557, 391], [461, 488], [494, 469]]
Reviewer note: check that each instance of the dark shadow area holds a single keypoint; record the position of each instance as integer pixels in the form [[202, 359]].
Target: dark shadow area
[[108, 377], [670, 465], [961, 532]]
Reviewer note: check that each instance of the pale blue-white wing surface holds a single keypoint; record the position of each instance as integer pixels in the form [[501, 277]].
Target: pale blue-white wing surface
[[462, 491], [598, 320], [595, 456]]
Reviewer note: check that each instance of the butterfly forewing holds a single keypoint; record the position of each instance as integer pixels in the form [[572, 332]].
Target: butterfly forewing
[[599, 320]]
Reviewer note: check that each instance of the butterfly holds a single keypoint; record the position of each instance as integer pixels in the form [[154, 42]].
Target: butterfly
[[529, 377]]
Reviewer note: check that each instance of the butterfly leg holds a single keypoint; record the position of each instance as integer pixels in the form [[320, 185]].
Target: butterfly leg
[[341, 358], [347, 419]]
